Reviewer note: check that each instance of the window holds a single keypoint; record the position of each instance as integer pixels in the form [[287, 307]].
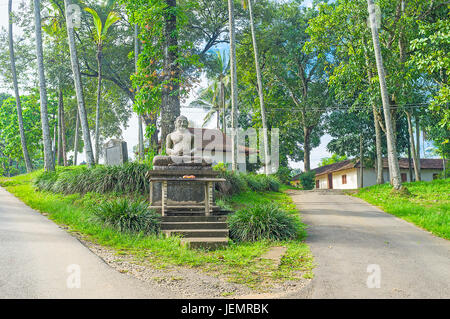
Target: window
[[344, 179], [404, 178]]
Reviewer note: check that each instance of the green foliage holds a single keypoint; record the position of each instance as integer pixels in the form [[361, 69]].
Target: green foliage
[[331, 160], [307, 179], [264, 221], [127, 216], [284, 174], [241, 182], [129, 178]]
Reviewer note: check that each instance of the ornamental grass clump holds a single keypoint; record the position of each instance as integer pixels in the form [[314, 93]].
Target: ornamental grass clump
[[127, 178], [127, 216], [264, 222]]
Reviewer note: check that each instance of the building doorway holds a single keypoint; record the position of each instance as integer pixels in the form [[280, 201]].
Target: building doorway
[[330, 181]]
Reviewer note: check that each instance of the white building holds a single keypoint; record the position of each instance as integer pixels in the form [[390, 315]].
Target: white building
[[345, 174]]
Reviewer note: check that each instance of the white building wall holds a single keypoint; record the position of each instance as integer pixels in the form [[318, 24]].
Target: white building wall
[[352, 179], [323, 181]]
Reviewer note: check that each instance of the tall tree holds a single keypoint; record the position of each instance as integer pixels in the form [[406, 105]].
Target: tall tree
[[170, 108], [136, 58], [78, 87], [26, 156], [234, 93], [260, 90], [49, 164], [394, 169], [100, 33]]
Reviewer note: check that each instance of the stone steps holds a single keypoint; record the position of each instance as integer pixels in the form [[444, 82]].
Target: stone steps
[[178, 218], [193, 225], [205, 243], [196, 229], [197, 233]]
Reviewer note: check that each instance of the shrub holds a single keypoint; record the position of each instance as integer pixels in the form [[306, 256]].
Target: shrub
[[284, 174], [255, 182], [274, 183], [308, 179], [264, 221], [127, 216]]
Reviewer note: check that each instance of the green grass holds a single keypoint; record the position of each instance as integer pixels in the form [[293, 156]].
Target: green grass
[[239, 263], [428, 206]]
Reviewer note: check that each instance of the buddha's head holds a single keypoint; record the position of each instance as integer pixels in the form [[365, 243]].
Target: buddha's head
[[181, 123]]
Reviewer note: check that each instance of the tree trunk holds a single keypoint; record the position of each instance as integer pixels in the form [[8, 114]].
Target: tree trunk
[[26, 156], [170, 108], [55, 137], [79, 90], [222, 105], [59, 138], [234, 94], [49, 164], [417, 150], [361, 162], [391, 141], [306, 149], [409, 161], [97, 108], [267, 169], [63, 128], [75, 143], [411, 141], [379, 148], [140, 129]]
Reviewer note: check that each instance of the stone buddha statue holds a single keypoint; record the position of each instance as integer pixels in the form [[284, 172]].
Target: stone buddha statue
[[181, 141], [180, 149]]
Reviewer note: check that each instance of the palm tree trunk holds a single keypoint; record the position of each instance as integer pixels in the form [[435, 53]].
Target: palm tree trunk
[[140, 129], [379, 149], [222, 104], [59, 148], [75, 143], [260, 92], [411, 141], [79, 90], [391, 141], [234, 101], [23, 142], [417, 150], [97, 109], [361, 162], [49, 164], [63, 128]]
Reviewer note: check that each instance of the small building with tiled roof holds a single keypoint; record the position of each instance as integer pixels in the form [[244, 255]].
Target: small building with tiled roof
[[345, 174]]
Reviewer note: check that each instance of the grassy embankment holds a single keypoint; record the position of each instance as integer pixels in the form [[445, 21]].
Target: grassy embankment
[[428, 206], [239, 262]]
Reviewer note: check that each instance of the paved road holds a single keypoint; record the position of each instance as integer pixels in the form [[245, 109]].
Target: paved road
[[346, 235], [40, 260]]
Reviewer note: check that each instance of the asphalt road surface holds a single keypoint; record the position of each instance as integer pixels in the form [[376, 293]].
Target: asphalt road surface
[[357, 246], [40, 260]]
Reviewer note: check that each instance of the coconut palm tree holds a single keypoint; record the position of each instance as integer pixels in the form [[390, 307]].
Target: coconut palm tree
[[26, 156], [49, 164], [99, 37], [233, 85], [78, 88], [216, 96], [394, 170], [260, 89]]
